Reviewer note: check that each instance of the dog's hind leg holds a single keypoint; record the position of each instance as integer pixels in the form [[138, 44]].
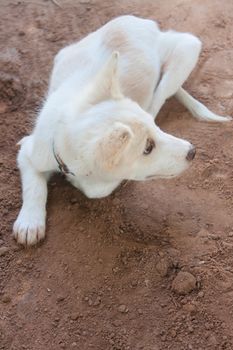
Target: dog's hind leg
[[180, 52], [180, 55], [197, 109]]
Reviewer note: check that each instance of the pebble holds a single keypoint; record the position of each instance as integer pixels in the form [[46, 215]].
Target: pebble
[[74, 344], [203, 233], [73, 200], [21, 33], [208, 326], [123, 309], [145, 206], [162, 267], [3, 250], [117, 323], [183, 283], [164, 338], [6, 299], [215, 237], [190, 308], [212, 340], [201, 294], [190, 329], [173, 333], [230, 234], [74, 316], [60, 298], [97, 301], [134, 283]]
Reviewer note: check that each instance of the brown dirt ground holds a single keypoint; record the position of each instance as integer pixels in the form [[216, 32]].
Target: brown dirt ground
[[102, 280]]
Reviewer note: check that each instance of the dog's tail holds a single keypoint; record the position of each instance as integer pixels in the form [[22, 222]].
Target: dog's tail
[[197, 109]]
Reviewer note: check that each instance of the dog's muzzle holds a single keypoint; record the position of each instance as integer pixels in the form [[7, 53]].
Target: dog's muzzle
[[191, 153]]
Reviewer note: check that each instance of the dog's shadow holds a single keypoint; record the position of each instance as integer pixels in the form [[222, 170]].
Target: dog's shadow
[[138, 212]]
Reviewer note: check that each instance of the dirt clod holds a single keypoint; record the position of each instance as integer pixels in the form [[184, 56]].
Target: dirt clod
[[3, 250], [184, 283]]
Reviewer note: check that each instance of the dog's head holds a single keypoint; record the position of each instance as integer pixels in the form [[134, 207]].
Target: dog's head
[[115, 140]]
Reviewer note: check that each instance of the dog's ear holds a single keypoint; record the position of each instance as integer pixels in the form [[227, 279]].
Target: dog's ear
[[113, 144], [105, 84]]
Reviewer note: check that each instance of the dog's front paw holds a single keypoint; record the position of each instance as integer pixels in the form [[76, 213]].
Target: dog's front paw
[[29, 229]]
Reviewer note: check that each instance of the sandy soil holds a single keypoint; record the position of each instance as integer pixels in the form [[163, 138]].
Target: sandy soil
[[109, 274]]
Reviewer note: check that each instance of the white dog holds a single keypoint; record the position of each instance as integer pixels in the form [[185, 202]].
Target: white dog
[[97, 124]]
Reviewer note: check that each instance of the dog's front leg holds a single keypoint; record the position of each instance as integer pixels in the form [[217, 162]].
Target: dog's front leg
[[29, 228]]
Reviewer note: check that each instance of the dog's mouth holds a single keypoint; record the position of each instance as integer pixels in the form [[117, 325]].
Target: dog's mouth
[[151, 177]]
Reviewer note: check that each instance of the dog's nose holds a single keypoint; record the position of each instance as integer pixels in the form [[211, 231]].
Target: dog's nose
[[191, 153]]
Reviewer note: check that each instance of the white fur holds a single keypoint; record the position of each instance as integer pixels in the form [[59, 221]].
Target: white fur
[[104, 94]]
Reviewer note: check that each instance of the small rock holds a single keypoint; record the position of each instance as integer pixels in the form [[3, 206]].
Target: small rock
[[208, 326], [203, 233], [117, 323], [74, 316], [145, 206], [97, 301], [73, 200], [123, 309], [134, 283], [163, 338], [212, 340], [21, 33], [183, 283], [173, 333], [201, 294], [3, 250], [190, 329], [60, 298], [74, 344], [190, 308], [230, 234], [6, 299], [162, 267], [215, 237]]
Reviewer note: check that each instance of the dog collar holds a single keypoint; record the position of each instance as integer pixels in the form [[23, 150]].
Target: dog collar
[[61, 165]]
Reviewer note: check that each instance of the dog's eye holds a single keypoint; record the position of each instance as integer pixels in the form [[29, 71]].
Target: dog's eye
[[150, 144]]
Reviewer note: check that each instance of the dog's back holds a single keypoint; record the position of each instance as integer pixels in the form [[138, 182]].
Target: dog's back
[[139, 67]]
